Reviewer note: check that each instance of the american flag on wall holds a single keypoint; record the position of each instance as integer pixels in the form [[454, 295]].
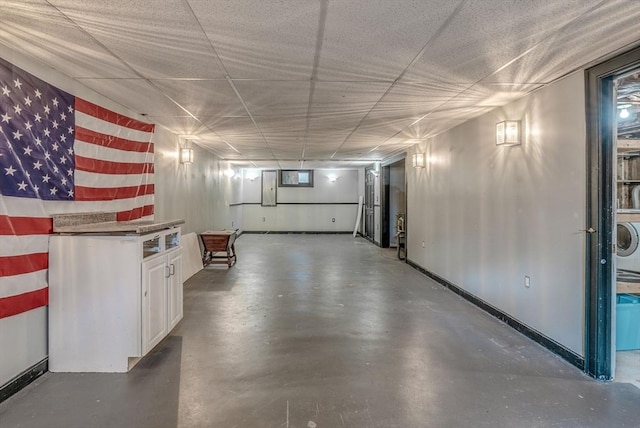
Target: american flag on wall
[[60, 154]]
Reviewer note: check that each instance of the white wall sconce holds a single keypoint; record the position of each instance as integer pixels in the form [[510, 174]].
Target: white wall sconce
[[186, 155], [229, 172], [418, 160], [508, 133], [332, 178]]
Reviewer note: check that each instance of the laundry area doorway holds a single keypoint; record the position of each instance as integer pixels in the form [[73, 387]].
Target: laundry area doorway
[[613, 220]]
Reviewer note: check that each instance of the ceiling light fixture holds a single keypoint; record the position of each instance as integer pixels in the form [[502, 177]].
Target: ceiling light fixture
[[624, 113], [508, 133], [186, 155], [418, 160]]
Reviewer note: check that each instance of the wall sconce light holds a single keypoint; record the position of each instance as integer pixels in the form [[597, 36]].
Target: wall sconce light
[[229, 172], [508, 133], [332, 178], [186, 155], [418, 160]]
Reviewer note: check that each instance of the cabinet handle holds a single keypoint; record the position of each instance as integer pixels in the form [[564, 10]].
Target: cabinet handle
[[172, 271], [168, 271]]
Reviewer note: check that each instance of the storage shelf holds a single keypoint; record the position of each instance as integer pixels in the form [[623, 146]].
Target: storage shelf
[[626, 147], [627, 287]]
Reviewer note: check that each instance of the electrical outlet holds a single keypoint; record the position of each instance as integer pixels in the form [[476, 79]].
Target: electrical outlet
[[333, 220], [527, 281]]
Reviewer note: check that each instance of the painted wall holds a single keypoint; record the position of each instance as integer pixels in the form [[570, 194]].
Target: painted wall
[[192, 192], [490, 215], [304, 209]]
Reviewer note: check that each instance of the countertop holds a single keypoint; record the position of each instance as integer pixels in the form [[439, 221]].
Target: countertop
[[99, 223]]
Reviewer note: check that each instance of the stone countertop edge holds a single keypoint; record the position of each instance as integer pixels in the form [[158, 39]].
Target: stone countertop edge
[[138, 227]]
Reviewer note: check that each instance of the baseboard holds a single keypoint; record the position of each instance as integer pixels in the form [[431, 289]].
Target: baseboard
[[24, 379], [293, 232], [531, 333]]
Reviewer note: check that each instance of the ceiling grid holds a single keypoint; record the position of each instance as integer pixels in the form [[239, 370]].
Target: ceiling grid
[[315, 83]]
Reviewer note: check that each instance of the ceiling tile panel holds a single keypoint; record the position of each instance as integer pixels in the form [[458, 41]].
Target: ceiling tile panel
[[158, 40], [593, 35], [346, 97], [214, 98], [36, 29], [265, 39], [136, 94], [275, 98], [377, 39], [486, 35]]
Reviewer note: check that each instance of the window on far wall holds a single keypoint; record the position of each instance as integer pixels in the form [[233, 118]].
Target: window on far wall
[[295, 178]]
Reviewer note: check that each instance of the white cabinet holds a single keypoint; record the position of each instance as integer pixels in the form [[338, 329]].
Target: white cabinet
[[161, 297], [112, 298]]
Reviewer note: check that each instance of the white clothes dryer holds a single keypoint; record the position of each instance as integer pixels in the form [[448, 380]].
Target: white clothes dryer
[[628, 241]]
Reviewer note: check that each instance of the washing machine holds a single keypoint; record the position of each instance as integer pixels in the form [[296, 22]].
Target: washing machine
[[628, 253]]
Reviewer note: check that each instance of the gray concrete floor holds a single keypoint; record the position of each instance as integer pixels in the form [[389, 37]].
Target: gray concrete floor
[[329, 331]]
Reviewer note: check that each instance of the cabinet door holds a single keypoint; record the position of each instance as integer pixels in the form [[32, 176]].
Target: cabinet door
[[175, 288], [154, 302]]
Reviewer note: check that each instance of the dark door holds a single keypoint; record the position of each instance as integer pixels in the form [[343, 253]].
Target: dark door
[[601, 140]]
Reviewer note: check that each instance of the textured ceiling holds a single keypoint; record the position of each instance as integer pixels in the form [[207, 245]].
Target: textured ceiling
[[315, 83]]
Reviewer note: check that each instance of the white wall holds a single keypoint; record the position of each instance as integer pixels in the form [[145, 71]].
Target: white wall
[[191, 192], [304, 209], [490, 215]]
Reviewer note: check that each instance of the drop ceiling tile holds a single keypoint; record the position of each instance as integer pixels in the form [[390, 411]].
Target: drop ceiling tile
[[614, 24], [136, 94], [231, 127], [376, 39], [261, 39], [274, 98], [337, 123], [486, 35], [36, 29], [346, 97], [159, 41], [213, 98]]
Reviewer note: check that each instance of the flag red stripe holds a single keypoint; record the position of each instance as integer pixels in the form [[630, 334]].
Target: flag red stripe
[[14, 305], [111, 193], [24, 263], [135, 213], [109, 167], [110, 116], [106, 140], [18, 226]]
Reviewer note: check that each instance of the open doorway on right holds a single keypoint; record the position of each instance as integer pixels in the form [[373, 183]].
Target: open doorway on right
[[394, 207], [627, 303]]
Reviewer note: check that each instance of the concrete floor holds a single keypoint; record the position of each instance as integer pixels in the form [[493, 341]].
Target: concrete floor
[[329, 331]]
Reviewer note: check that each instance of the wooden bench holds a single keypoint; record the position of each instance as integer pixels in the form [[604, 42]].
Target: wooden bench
[[218, 241]]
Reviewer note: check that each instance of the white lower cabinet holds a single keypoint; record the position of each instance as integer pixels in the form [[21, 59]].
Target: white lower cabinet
[[111, 298], [161, 297]]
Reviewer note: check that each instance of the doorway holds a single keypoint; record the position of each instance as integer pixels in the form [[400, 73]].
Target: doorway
[[394, 203], [369, 203], [608, 203]]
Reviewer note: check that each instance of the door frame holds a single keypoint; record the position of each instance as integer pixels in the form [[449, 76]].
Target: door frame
[[385, 197], [601, 146]]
